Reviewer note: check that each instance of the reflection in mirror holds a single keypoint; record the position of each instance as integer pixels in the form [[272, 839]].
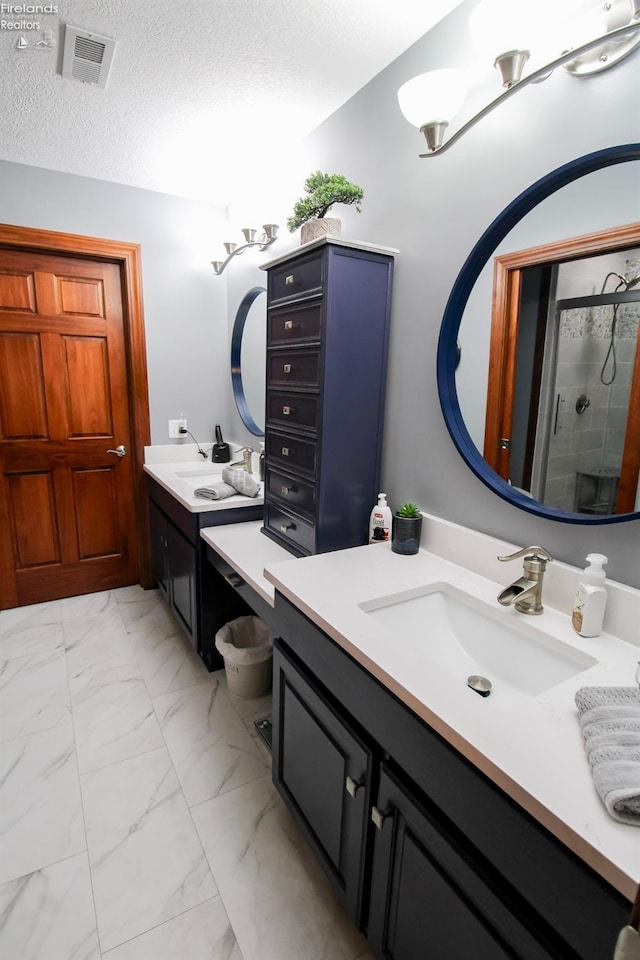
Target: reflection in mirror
[[513, 405], [248, 365], [563, 378]]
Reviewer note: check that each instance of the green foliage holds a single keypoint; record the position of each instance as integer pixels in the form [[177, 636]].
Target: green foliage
[[323, 191], [408, 510]]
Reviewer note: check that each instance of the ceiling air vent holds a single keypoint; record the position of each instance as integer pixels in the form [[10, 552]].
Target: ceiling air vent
[[87, 56]]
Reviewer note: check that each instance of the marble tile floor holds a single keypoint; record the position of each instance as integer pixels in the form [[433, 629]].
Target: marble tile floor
[[137, 816]]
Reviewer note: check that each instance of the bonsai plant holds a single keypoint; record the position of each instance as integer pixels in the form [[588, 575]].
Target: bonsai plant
[[323, 190], [407, 527]]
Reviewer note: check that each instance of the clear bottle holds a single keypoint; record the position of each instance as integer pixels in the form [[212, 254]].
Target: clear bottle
[[380, 521], [591, 598]]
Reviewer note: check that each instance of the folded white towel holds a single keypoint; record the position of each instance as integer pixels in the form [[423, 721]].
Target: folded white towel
[[610, 724], [215, 491], [242, 481]]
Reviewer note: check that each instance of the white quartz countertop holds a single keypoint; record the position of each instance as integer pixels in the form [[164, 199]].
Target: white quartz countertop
[[529, 746], [248, 551], [182, 478]]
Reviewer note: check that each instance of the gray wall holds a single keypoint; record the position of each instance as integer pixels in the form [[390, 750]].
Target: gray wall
[[185, 304], [434, 211]]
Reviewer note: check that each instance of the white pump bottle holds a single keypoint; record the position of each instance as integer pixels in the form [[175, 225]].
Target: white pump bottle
[[591, 598]]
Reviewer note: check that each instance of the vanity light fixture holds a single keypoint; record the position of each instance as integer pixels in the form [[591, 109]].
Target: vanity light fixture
[[430, 101], [252, 239]]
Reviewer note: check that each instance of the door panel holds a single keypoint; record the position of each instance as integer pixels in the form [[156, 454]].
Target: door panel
[[22, 396], [63, 405], [33, 520], [97, 532], [17, 290], [87, 374]]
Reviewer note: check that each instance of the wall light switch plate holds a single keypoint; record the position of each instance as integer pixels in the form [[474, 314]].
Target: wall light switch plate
[[174, 428]]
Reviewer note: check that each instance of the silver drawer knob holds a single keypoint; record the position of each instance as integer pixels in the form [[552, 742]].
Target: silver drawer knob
[[378, 817], [289, 281], [286, 411], [352, 786], [285, 451], [287, 368], [289, 324], [284, 527]]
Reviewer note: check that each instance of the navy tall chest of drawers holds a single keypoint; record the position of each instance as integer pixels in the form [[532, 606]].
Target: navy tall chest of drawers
[[328, 312]]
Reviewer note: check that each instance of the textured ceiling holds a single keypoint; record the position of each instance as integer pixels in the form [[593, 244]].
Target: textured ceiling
[[199, 89]]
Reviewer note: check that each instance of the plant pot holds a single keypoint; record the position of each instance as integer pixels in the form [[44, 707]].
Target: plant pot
[[314, 229], [405, 537]]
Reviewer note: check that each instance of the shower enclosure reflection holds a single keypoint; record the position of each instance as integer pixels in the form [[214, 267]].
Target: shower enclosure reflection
[[563, 418]]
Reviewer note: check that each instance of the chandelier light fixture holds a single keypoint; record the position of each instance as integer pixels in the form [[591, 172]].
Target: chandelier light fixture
[[509, 32], [252, 239]]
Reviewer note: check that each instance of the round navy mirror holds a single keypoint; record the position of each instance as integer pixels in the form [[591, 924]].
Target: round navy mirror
[[448, 347], [248, 363]]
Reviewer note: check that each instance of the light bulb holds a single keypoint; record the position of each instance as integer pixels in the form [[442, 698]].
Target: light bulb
[[433, 97]]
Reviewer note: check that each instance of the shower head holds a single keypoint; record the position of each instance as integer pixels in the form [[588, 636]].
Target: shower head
[[634, 281]]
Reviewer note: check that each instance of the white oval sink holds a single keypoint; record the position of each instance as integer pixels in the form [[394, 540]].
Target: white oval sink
[[466, 636]]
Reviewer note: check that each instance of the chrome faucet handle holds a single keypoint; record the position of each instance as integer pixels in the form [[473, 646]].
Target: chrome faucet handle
[[531, 553]]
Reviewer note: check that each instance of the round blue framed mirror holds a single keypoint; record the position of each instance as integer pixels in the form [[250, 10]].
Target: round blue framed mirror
[[448, 358], [248, 359]]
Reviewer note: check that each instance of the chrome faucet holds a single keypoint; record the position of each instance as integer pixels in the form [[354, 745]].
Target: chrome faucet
[[526, 593], [245, 463]]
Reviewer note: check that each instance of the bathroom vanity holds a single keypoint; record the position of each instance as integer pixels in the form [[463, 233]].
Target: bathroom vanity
[[328, 311], [442, 818], [200, 597]]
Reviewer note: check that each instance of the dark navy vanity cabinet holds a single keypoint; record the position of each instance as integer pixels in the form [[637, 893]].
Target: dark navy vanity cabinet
[[202, 599], [430, 858], [328, 309]]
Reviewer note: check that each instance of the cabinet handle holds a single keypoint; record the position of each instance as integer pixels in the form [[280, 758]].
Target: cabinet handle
[[284, 527], [287, 367], [352, 786], [289, 281], [285, 490], [285, 451], [287, 411], [378, 817], [234, 579], [290, 325]]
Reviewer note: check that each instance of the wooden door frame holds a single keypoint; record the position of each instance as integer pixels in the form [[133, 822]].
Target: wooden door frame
[[128, 258], [507, 283]]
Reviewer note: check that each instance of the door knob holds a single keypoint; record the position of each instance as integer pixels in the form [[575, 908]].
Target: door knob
[[120, 451]]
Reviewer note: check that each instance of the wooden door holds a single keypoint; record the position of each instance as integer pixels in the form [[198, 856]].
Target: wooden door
[[68, 501]]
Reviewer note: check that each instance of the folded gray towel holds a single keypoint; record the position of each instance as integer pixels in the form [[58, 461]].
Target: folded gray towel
[[242, 481], [610, 724], [216, 491]]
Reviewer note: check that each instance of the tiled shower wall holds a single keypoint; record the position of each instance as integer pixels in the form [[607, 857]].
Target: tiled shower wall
[[590, 442]]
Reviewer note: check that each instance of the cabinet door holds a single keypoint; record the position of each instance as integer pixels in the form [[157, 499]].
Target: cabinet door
[[322, 770], [158, 529], [182, 579], [427, 901]]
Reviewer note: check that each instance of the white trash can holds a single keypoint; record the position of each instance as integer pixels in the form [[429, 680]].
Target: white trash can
[[247, 647]]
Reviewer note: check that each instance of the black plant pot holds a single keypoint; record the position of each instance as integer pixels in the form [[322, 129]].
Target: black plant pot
[[406, 534]]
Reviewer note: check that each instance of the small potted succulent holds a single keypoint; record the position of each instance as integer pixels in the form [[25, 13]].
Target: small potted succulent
[[406, 529], [323, 190]]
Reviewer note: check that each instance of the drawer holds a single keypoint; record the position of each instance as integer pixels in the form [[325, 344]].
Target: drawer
[[294, 324], [299, 495], [291, 451], [300, 367], [284, 525], [294, 409], [301, 278]]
